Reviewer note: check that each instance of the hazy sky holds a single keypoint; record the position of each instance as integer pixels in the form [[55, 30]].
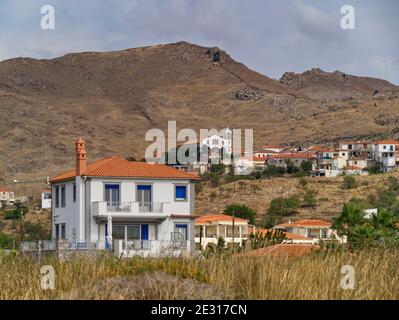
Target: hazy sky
[[270, 37]]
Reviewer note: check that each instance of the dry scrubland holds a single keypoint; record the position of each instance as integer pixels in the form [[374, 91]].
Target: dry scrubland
[[330, 196], [311, 277]]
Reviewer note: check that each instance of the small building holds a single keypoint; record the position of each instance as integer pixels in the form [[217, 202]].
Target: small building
[[209, 228], [46, 199], [296, 158], [6, 196], [310, 228]]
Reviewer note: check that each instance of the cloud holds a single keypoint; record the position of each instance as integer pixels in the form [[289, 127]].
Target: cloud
[[268, 36]]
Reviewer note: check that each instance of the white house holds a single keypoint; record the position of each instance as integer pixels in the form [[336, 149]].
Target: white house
[[209, 228], [311, 228], [136, 208], [218, 146], [46, 199], [385, 152], [6, 195]]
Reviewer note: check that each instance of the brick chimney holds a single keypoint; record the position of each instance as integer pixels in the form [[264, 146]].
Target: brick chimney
[[81, 157]]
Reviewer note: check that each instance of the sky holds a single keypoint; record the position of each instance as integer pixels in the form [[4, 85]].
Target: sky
[[269, 36]]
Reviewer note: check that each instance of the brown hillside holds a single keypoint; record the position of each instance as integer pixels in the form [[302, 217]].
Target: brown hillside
[[112, 98]]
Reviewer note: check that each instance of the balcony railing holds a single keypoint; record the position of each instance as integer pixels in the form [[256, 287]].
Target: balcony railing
[[103, 208]]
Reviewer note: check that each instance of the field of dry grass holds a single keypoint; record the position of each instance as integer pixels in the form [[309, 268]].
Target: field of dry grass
[[317, 276], [330, 196]]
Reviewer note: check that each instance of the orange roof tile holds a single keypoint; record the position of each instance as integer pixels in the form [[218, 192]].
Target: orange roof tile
[[305, 223], [216, 218], [297, 155], [117, 167], [387, 141], [281, 250], [4, 189]]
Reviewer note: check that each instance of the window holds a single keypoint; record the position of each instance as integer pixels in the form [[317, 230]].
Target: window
[[74, 192], [111, 195], [57, 197], [180, 193], [390, 148], [63, 231], [384, 147], [57, 231], [63, 197], [130, 232], [182, 229], [215, 142]]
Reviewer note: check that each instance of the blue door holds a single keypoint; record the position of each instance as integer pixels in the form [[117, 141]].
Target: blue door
[[144, 232]]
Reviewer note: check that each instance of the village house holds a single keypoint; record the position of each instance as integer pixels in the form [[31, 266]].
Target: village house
[[135, 208], [386, 153], [310, 228], [209, 228], [46, 199], [296, 158], [6, 196]]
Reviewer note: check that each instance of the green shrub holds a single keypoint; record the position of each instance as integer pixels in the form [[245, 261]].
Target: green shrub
[[284, 206], [349, 182], [241, 211]]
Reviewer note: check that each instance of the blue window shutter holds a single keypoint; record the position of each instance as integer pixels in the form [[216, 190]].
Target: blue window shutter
[[181, 192], [144, 187], [112, 186], [144, 232]]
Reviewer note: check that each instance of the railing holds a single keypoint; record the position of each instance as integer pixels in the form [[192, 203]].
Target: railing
[[102, 208], [156, 207], [119, 206], [136, 245]]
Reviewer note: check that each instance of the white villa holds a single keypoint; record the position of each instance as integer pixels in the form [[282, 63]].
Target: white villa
[[46, 199], [135, 208], [6, 196]]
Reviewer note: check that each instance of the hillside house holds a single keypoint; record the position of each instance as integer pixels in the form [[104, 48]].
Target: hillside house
[[208, 229], [135, 208], [386, 152], [310, 228], [6, 196], [297, 158], [46, 199]]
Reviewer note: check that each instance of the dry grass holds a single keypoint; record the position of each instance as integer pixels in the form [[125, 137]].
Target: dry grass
[[316, 276]]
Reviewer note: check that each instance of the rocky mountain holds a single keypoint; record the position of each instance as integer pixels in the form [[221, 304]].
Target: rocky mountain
[[112, 98]]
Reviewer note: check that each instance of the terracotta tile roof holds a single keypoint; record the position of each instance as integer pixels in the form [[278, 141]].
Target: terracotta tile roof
[[4, 189], [298, 155], [117, 167], [288, 235], [321, 149], [46, 191], [387, 141], [281, 250], [305, 223], [207, 219]]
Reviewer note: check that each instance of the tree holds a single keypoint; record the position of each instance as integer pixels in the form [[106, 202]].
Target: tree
[[393, 184], [219, 169], [271, 171], [284, 206], [349, 182], [303, 182], [307, 166], [291, 167], [309, 199], [241, 211], [361, 232]]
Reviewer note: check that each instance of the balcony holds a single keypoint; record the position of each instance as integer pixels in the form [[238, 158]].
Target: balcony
[[102, 209]]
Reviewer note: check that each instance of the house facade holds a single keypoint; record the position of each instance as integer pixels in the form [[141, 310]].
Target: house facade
[[7, 196], [135, 208], [310, 228], [46, 199]]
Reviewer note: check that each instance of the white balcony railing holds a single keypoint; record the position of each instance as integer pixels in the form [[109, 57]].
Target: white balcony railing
[[103, 208]]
